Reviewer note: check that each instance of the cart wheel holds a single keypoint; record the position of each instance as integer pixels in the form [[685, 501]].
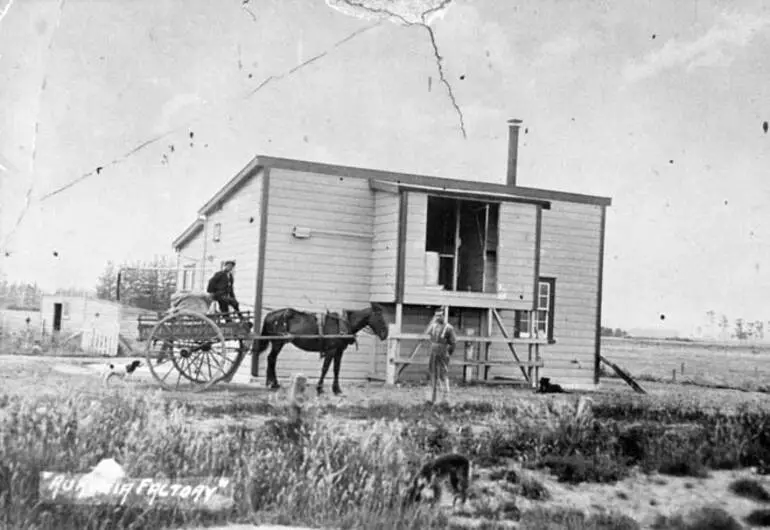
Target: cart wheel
[[187, 352], [234, 353]]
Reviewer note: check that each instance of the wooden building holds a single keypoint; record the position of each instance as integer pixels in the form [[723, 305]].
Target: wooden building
[[99, 326], [517, 267]]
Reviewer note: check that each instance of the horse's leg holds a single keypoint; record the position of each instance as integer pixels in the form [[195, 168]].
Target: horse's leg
[[272, 377], [324, 369], [337, 363], [270, 370]]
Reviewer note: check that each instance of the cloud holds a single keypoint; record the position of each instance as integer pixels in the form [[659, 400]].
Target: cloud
[[712, 49]]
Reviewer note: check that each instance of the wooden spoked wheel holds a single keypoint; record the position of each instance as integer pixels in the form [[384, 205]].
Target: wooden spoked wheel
[[186, 351]]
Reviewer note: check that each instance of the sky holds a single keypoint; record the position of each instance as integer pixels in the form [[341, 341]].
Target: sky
[[658, 105]]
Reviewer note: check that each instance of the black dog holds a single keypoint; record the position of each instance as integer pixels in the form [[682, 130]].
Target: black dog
[[452, 465], [546, 387]]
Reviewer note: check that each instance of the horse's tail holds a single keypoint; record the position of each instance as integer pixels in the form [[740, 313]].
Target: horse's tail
[[260, 345]]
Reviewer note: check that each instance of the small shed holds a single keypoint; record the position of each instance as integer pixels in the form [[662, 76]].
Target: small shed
[[520, 269], [102, 326]]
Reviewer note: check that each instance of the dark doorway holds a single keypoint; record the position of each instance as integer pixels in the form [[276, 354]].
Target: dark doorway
[[57, 312]]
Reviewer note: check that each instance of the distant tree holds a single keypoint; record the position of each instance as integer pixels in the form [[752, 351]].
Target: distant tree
[[107, 282], [148, 285], [25, 296], [759, 327], [711, 316], [749, 331], [740, 329], [724, 325], [73, 291], [610, 332]]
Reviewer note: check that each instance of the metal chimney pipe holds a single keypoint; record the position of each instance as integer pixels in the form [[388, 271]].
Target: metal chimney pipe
[[513, 150]]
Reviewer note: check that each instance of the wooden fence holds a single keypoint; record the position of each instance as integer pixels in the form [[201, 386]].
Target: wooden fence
[[102, 340], [476, 359]]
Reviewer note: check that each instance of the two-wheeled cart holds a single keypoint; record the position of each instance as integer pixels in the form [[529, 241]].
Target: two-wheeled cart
[[191, 350]]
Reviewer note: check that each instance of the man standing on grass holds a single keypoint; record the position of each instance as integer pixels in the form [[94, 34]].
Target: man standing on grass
[[442, 345], [221, 289]]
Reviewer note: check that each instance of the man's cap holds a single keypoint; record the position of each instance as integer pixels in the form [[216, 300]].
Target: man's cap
[[230, 262]]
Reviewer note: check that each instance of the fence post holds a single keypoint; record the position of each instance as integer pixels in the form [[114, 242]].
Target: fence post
[[391, 368], [470, 354]]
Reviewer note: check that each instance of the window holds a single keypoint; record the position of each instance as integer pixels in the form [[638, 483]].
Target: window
[[541, 319], [188, 278], [217, 232], [461, 244]]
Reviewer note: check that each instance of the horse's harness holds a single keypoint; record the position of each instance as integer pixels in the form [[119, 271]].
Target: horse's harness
[[322, 318]]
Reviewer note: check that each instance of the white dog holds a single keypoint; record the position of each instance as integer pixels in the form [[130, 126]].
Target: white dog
[[121, 371]]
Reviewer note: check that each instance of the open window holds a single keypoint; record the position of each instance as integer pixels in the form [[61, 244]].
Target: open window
[[541, 320], [461, 244]]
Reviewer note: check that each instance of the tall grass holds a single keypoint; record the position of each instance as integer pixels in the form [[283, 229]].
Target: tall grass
[[314, 473]]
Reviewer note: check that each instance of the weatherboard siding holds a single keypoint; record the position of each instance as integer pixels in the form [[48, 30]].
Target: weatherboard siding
[[239, 240], [384, 247], [191, 256], [77, 312], [325, 271], [516, 254], [239, 217], [570, 248]]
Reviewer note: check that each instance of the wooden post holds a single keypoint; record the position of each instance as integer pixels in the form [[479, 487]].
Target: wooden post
[[205, 220], [392, 355], [485, 248], [297, 396], [529, 368], [374, 350], [682, 369], [673, 375], [470, 354], [510, 346], [487, 345], [457, 247], [434, 382]]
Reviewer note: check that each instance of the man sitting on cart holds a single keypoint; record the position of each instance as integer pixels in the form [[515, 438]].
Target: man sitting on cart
[[221, 290]]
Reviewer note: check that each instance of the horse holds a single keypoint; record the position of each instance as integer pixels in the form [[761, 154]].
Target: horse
[[290, 321]]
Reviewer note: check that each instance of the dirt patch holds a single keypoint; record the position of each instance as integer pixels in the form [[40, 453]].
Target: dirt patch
[[70, 369], [21, 374]]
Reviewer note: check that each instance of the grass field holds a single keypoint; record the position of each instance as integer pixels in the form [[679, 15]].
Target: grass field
[[708, 364], [670, 459]]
